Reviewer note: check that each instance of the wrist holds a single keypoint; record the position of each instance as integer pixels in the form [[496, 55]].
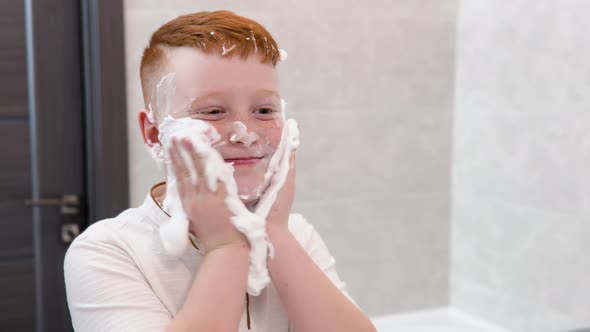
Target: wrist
[[239, 248]]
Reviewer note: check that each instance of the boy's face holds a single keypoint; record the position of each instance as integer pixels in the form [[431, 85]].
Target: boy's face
[[240, 98]]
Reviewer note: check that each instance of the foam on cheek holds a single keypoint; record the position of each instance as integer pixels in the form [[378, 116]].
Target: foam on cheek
[[202, 136], [278, 168], [273, 166], [156, 150], [165, 90]]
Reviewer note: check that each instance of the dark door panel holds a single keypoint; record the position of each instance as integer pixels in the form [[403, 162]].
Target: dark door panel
[[13, 65], [16, 238], [17, 287]]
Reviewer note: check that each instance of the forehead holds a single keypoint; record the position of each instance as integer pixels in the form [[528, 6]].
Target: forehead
[[200, 73]]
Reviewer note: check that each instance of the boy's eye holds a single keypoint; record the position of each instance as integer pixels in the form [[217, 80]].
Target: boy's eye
[[208, 114], [212, 112], [265, 112]]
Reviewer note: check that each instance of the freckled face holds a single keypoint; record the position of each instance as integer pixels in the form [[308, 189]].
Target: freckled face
[[240, 99]]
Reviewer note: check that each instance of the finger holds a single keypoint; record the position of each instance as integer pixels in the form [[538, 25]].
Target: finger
[[178, 163], [182, 173], [176, 168], [186, 155], [292, 168], [197, 160], [292, 159], [221, 189], [172, 154]]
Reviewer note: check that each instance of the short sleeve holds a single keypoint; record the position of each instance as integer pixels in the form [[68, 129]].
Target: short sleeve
[[107, 292]]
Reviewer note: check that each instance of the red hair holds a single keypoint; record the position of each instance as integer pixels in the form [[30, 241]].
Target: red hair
[[209, 32]]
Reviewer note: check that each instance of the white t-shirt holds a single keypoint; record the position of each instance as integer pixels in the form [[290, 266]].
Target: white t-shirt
[[119, 278]]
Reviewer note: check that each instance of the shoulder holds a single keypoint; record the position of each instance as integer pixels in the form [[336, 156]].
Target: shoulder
[[113, 230], [110, 238], [107, 288]]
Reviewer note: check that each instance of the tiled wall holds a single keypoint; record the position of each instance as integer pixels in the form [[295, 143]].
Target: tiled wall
[[371, 85], [521, 204]]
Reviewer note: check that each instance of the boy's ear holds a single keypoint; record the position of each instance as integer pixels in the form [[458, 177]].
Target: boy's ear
[[149, 130]]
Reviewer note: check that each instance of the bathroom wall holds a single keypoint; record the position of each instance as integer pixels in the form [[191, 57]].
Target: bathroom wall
[[521, 203], [371, 85]]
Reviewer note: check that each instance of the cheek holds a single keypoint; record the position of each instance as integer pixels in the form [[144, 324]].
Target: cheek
[[274, 138], [221, 130], [271, 133]]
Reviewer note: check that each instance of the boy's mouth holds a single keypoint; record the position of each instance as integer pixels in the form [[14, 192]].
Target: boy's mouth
[[243, 161]]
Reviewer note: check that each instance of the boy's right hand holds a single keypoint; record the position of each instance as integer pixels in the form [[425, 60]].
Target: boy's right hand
[[207, 212]]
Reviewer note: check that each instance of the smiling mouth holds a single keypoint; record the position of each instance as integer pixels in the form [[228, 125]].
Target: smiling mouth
[[246, 161]]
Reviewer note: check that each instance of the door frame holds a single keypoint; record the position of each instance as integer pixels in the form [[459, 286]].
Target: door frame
[[107, 171], [76, 83]]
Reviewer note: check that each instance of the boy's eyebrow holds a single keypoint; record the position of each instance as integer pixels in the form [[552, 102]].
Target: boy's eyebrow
[[268, 92], [261, 92], [220, 93], [206, 96]]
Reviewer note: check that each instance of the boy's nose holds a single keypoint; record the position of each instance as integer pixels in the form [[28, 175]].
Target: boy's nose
[[240, 134]]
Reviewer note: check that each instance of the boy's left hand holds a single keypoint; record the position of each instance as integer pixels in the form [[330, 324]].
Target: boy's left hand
[[278, 216]]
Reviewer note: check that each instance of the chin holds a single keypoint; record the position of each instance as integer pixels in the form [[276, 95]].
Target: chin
[[248, 190], [250, 184], [249, 194]]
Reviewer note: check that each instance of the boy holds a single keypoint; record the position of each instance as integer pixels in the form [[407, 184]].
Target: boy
[[118, 275]]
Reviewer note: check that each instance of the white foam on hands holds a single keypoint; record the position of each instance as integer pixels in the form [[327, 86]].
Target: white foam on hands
[[174, 235], [279, 165]]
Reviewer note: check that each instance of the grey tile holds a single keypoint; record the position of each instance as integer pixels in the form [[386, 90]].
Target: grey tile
[[352, 154], [393, 252]]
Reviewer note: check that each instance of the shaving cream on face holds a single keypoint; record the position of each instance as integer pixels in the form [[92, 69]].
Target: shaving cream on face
[[279, 166], [155, 149], [273, 165], [242, 135], [165, 91]]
